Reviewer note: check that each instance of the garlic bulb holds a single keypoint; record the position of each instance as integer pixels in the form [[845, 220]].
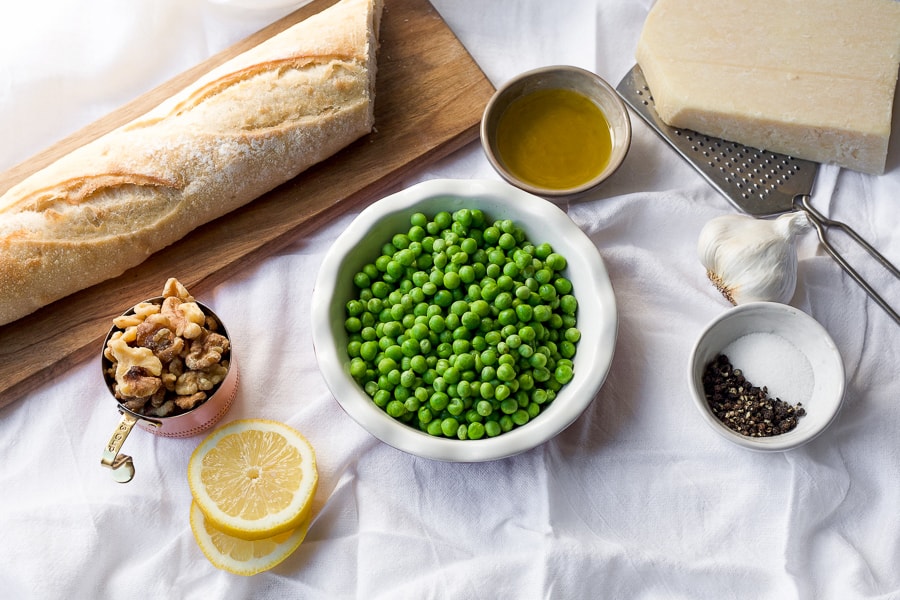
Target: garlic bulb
[[750, 259]]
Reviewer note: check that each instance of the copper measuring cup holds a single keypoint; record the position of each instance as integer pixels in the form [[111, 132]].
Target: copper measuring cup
[[185, 424]]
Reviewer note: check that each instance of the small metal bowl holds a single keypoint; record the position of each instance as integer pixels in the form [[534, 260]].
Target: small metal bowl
[[782, 348], [570, 78]]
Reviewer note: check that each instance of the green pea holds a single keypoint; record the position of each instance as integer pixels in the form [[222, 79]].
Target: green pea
[[449, 426], [394, 352], [555, 261], [381, 398], [443, 219], [503, 300], [507, 317], [509, 406], [492, 429], [547, 292], [358, 368], [484, 408], [408, 378], [526, 382], [563, 374], [542, 251], [355, 308], [489, 357], [396, 409], [524, 312], [470, 320], [392, 329], [507, 359], [563, 286], [542, 313], [520, 417], [438, 401], [469, 246], [456, 407], [543, 276], [368, 350], [505, 373], [380, 290], [416, 233], [476, 431], [434, 428], [489, 291], [386, 365]]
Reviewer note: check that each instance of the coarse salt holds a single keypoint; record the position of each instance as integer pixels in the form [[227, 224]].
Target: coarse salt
[[769, 360]]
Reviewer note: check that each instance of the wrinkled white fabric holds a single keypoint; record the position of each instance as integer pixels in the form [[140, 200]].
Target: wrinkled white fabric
[[638, 499]]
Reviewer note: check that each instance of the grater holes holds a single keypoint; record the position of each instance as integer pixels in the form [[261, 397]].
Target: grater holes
[[649, 97]]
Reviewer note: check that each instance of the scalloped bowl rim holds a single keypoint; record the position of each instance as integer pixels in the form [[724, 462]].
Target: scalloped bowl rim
[[597, 313]]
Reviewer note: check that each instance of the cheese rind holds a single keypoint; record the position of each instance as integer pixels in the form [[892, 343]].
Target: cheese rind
[[814, 79]]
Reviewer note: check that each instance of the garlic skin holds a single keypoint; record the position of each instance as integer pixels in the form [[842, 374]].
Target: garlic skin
[[750, 259]]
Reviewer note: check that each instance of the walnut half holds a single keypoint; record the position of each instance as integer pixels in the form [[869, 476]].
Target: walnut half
[[138, 370]]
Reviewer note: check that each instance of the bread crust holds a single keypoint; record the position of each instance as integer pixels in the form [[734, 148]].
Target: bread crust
[[239, 131]]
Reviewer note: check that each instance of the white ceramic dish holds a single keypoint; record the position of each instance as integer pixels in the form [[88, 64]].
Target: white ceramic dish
[[782, 337], [542, 221]]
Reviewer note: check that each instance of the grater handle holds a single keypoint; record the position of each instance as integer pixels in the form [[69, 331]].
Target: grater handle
[[821, 223]]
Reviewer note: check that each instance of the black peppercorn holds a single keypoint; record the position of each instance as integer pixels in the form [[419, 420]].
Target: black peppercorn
[[743, 407]]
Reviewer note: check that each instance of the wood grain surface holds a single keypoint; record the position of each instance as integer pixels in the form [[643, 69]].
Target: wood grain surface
[[429, 98]]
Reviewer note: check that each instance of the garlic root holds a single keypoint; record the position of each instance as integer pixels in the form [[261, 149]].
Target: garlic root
[[750, 259]]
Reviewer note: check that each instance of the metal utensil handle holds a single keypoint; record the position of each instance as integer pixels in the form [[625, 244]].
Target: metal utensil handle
[[122, 465], [821, 223]]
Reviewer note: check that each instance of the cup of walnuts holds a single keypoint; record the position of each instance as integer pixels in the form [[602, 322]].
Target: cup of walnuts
[[169, 364]]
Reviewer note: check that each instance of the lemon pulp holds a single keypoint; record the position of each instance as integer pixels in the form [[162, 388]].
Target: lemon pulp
[[554, 138], [253, 478]]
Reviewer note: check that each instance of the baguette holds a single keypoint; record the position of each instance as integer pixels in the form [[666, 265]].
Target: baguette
[[239, 131]]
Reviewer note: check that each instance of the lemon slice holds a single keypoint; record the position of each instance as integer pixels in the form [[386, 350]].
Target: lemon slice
[[243, 557], [253, 478]]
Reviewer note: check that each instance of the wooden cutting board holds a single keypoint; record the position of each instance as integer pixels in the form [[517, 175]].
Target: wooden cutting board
[[429, 98]]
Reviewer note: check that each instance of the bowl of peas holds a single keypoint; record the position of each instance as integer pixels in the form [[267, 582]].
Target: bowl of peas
[[463, 320]]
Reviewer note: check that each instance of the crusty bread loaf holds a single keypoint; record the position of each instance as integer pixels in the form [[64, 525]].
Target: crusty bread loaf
[[239, 131]]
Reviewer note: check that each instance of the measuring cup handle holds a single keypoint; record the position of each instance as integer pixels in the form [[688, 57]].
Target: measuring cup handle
[[121, 464], [821, 222]]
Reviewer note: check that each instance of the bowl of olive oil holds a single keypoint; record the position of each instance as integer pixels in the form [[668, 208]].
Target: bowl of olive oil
[[556, 131]]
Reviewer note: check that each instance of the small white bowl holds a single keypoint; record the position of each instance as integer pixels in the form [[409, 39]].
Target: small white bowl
[[782, 348], [542, 221]]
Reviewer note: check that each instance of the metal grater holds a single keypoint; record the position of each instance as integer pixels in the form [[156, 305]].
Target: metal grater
[[758, 182]]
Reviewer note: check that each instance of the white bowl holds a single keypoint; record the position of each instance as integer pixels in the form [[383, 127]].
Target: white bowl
[[782, 348], [542, 221]]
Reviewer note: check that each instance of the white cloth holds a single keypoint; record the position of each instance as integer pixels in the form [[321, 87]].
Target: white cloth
[[637, 499]]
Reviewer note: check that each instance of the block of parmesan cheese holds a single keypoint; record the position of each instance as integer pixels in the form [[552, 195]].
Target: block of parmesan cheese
[[814, 79]]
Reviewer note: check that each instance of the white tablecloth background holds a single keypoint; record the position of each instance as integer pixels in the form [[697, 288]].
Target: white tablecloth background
[[637, 499]]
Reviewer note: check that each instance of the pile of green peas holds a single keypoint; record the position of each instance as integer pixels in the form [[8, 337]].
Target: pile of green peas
[[462, 327]]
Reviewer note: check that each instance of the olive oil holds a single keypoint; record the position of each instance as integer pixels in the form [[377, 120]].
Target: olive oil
[[554, 138]]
